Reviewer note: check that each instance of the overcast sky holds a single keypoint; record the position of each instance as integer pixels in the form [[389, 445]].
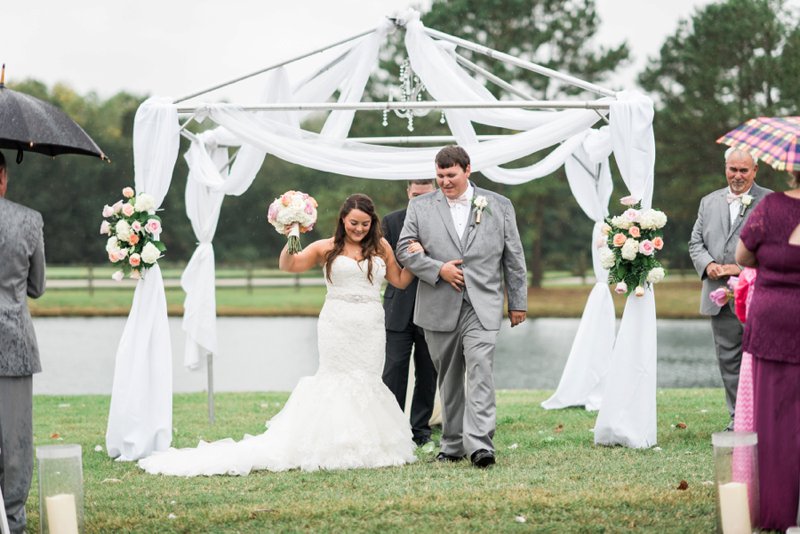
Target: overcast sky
[[176, 47]]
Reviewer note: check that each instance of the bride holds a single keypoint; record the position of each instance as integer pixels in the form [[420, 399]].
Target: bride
[[343, 417]]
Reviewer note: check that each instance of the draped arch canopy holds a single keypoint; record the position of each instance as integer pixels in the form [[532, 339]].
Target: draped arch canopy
[[140, 414]]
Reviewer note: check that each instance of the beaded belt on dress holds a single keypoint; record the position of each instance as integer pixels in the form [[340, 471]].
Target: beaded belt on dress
[[358, 299]]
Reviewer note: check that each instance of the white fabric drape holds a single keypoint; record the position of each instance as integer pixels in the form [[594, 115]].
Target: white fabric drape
[[628, 412], [140, 416], [582, 379]]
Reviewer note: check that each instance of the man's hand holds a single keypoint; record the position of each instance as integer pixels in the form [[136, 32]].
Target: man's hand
[[715, 271], [451, 273], [516, 317]]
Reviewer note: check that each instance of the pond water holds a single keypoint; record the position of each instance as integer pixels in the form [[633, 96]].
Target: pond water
[[271, 354]]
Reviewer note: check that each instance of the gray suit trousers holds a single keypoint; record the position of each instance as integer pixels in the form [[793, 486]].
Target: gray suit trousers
[[468, 410], [728, 342], [16, 446]]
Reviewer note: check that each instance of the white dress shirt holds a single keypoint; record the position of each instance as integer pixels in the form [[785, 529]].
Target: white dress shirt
[[736, 206], [459, 211]]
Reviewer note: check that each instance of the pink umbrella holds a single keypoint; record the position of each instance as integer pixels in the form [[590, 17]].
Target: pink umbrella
[[773, 140]]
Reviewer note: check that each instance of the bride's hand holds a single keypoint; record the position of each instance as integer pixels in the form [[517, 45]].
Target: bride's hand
[[415, 247]]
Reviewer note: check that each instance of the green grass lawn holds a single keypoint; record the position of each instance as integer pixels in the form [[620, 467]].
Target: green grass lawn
[[675, 299], [549, 478]]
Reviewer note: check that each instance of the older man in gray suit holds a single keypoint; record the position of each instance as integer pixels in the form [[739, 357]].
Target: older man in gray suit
[[21, 276], [712, 248], [472, 246]]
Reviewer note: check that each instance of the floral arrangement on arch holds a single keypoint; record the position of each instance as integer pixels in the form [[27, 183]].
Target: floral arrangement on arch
[[294, 210], [632, 240], [134, 232]]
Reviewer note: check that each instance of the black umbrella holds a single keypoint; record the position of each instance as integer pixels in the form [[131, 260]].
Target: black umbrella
[[27, 123]]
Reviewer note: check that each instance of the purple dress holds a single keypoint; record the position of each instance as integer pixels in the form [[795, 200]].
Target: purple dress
[[772, 335]]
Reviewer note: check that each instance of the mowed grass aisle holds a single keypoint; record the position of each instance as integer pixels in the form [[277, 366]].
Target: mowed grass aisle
[[549, 478]]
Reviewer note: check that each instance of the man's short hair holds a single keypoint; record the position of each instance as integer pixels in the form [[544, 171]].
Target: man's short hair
[[426, 181], [452, 155], [731, 150]]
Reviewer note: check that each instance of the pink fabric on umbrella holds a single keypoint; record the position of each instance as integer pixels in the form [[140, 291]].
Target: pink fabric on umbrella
[[770, 139]]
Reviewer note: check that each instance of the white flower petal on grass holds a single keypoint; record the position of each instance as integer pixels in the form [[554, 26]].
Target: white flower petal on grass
[[513, 446], [98, 448], [520, 519], [172, 516], [64, 405]]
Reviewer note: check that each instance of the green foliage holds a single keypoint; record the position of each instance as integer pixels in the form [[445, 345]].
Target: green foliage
[[733, 60]]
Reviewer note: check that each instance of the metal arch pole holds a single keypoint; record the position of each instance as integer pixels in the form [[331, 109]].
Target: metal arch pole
[[380, 106], [210, 370], [271, 67], [491, 77], [485, 50]]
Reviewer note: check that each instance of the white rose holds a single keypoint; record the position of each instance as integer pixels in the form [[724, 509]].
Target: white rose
[[639, 291], [607, 259], [123, 230], [112, 244], [630, 249], [150, 253], [655, 275], [117, 276], [145, 202], [621, 222], [651, 219]]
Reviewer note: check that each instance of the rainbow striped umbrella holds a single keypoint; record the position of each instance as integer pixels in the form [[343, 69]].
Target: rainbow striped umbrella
[[773, 140]]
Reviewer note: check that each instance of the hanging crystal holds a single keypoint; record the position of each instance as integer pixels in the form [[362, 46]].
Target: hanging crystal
[[411, 89]]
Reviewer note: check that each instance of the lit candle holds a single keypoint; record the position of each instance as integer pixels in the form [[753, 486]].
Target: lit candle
[[734, 508], [62, 516]]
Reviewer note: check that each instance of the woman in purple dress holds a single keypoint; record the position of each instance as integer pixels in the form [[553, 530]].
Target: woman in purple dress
[[770, 241]]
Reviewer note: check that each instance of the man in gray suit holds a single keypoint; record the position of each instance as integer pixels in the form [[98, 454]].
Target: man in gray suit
[[21, 276], [712, 248], [472, 246]]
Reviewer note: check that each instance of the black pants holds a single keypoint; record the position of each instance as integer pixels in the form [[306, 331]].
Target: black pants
[[399, 347]]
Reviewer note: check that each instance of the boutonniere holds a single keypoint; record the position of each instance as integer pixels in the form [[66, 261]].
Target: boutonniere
[[480, 204], [746, 200]]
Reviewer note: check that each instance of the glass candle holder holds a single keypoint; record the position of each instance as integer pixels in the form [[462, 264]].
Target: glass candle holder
[[736, 477], [60, 489]]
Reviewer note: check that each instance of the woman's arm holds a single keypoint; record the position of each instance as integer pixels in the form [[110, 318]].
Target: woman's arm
[[399, 278], [306, 259], [745, 257]]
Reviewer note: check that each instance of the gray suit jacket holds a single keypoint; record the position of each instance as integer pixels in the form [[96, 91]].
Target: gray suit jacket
[[21, 276], [491, 251], [715, 239]]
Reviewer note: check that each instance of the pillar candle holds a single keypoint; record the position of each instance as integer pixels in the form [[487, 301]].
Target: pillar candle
[[734, 508], [62, 516]]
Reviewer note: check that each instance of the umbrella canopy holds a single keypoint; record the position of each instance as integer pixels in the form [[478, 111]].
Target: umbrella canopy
[[27, 123], [773, 140]]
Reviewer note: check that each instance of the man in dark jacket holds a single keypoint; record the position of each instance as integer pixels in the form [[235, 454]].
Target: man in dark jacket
[[402, 335]]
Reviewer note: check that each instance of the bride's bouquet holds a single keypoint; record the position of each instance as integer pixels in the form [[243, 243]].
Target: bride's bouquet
[[134, 232], [296, 210], [632, 241]]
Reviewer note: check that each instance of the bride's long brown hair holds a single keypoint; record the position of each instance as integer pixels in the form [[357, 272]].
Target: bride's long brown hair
[[370, 245]]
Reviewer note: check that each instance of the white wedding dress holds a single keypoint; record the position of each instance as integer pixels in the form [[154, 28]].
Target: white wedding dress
[[343, 417]]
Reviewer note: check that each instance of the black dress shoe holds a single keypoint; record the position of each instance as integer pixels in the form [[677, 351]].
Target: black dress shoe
[[444, 457], [421, 440], [482, 458]]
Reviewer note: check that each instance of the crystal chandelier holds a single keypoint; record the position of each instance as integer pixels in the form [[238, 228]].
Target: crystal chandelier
[[411, 89]]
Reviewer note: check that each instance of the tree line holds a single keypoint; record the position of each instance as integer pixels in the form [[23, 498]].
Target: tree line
[[708, 78]]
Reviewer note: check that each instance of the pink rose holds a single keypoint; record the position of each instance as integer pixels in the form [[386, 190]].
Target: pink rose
[[128, 192], [286, 199], [619, 240], [719, 296], [135, 260], [108, 211], [135, 274], [112, 256], [634, 231], [646, 247], [639, 291], [631, 214], [105, 228], [117, 207], [128, 209], [309, 208], [621, 288], [733, 281], [658, 243], [629, 200], [605, 229], [272, 213], [136, 226], [153, 226], [133, 239], [117, 276]]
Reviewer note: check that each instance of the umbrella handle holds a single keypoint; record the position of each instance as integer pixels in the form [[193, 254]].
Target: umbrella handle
[[19, 156]]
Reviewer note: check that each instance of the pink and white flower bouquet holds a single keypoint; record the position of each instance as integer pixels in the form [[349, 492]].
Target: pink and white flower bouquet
[[296, 211], [631, 242], [134, 231]]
